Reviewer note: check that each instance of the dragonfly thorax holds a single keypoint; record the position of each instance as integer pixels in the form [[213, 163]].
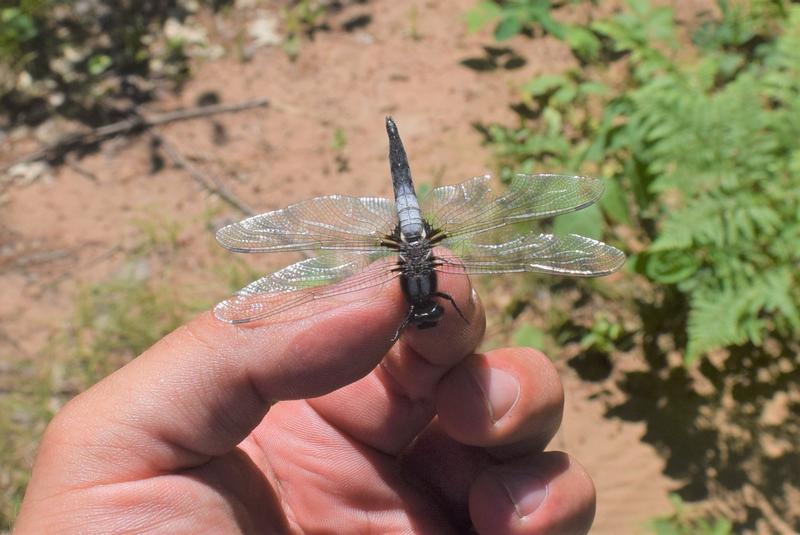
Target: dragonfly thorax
[[415, 263], [417, 260]]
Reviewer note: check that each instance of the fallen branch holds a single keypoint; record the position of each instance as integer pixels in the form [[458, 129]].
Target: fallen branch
[[130, 124], [34, 259], [210, 182], [80, 266]]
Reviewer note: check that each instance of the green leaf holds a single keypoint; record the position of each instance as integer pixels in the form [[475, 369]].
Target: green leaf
[[481, 15], [16, 25], [583, 42], [507, 28], [542, 85], [714, 321], [614, 203], [722, 527], [554, 121], [549, 24], [591, 87], [669, 266], [587, 222], [339, 140], [98, 64], [565, 94], [529, 336], [682, 522]]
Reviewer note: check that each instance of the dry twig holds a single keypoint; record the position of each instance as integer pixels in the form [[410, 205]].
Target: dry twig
[[210, 182], [55, 281], [135, 122]]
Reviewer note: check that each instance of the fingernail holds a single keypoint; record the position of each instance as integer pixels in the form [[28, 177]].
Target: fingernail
[[499, 389], [473, 302], [526, 491]]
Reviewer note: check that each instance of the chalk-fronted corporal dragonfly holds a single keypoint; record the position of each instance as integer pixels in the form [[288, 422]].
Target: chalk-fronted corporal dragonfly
[[470, 228]]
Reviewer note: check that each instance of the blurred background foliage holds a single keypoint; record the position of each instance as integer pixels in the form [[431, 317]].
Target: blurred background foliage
[[90, 60], [714, 192], [113, 321], [696, 128]]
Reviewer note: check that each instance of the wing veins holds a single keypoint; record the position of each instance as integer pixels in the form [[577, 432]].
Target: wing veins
[[265, 297], [335, 222], [472, 207], [569, 254]]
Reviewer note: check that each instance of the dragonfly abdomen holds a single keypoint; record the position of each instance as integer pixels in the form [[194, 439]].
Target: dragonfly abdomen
[[409, 215], [408, 211]]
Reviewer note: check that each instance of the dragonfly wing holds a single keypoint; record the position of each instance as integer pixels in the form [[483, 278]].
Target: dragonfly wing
[[303, 282], [476, 205], [569, 254], [331, 222]]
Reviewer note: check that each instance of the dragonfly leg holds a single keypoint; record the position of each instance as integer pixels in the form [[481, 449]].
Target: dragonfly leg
[[404, 324], [452, 302]]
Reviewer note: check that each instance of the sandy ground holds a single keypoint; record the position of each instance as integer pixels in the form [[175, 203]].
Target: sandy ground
[[405, 61]]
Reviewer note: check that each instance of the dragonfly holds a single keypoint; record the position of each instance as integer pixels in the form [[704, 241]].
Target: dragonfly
[[355, 243]]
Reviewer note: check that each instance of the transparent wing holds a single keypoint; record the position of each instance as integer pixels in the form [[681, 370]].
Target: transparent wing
[[569, 254], [332, 222], [303, 282], [475, 206]]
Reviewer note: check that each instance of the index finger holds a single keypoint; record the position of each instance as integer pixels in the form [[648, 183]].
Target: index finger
[[390, 406]]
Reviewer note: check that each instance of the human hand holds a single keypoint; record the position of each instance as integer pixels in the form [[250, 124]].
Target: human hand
[[417, 437]]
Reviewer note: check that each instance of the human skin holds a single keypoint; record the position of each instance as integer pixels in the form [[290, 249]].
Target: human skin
[[316, 425]]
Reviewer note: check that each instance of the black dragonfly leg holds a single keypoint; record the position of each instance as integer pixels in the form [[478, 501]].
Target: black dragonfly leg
[[452, 302], [403, 325]]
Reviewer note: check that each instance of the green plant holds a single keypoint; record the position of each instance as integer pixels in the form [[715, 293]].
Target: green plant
[[703, 156], [16, 28], [339, 144], [24, 413], [603, 335], [72, 58], [117, 320], [413, 24], [511, 17], [530, 336], [301, 18], [681, 522], [114, 321], [157, 233]]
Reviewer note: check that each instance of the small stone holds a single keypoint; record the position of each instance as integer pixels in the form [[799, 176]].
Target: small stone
[[264, 31], [27, 172]]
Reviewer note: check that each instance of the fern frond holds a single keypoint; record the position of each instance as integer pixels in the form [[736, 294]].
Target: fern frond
[[714, 321], [729, 316]]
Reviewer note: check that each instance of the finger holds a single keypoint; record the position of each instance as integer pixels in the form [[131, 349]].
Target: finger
[[200, 390], [539, 493], [389, 407], [454, 336], [546, 493], [508, 400], [504, 404]]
